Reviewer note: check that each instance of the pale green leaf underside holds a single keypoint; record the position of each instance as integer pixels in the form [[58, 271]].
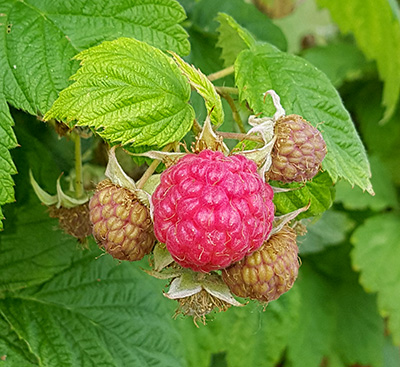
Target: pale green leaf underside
[[232, 38], [376, 255], [205, 88], [7, 167], [38, 39], [306, 91], [130, 92], [377, 32]]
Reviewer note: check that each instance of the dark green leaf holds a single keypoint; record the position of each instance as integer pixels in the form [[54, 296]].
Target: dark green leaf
[[7, 167], [338, 321], [380, 40], [232, 38], [319, 192], [306, 91], [249, 336], [40, 37], [245, 13], [33, 249], [14, 352], [205, 88], [385, 191], [329, 230], [96, 313], [130, 93], [330, 60], [376, 255]]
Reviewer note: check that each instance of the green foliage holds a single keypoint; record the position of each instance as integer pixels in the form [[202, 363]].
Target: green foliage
[[337, 320], [55, 296], [329, 230], [318, 192], [205, 88], [337, 68], [385, 191], [306, 91], [377, 32], [232, 38], [205, 13], [64, 305], [7, 167], [18, 353], [376, 255], [39, 41], [115, 92]]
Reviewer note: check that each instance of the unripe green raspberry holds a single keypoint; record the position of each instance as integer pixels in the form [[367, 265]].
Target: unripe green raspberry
[[268, 272], [298, 152], [121, 223]]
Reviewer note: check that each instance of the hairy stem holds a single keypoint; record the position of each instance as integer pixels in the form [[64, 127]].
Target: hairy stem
[[221, 73], [78, 165], [196, 127], [227, 90], [239, 136], [235, 113], [153, 166]]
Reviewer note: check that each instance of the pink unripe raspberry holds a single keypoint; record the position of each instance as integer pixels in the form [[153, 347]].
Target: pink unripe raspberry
[[121, 224], [298, 152], [211, 210], [268, 272]]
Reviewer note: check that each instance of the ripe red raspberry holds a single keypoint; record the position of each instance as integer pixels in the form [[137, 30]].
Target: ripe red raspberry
[[211, 210], [298, 152], [121, 224], [268, 272]]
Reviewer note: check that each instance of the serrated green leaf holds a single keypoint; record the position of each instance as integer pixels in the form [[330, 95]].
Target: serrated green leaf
[[96, 313], [13, 351], [385, 191], [74, 307], [232, 38], [7, 167], [329, 230], [330, 60], [376, 255], [265, 332], [33, 250], [338, 321], [245, 13], [306, 91], [130, 92], [382, 140], [379, 40], [39, 39], [319, 192], [205, 88]]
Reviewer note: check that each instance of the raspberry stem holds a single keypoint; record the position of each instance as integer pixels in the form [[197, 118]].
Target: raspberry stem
[[153, 166], [221, 73], [235, 113], [78, 165], [239, 136]]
